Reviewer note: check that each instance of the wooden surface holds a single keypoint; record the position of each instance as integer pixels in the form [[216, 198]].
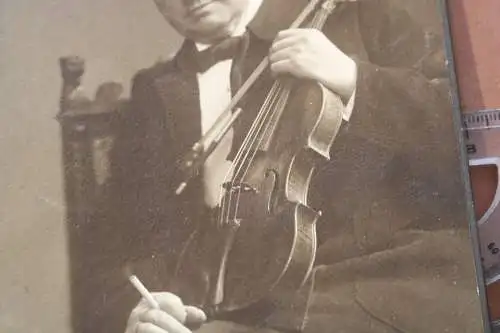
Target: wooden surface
[[476, 45]]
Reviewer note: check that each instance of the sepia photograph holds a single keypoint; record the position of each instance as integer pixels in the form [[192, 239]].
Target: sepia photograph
[[233, 166]]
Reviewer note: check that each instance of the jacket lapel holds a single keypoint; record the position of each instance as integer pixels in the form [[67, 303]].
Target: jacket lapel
[[179, 92]]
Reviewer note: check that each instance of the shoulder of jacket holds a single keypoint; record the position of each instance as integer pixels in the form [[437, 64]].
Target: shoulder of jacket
[[160, 67]]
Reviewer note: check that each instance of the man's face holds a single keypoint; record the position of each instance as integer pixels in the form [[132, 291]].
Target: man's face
[[202, 20]]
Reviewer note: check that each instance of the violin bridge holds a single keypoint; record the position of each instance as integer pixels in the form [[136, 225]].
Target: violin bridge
[[239, 187], [234, 223]]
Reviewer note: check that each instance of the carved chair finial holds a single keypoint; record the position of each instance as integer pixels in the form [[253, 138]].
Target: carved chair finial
[[72, 70]]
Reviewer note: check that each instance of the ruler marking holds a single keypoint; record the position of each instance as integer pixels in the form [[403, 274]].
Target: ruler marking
[[481, 135], [482, 120]]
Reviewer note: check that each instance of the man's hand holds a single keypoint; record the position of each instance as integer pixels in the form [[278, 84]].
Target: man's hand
[[172, 317], [309, 54]]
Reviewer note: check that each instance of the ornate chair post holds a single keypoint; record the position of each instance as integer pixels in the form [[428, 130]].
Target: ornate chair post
[[89, 132]]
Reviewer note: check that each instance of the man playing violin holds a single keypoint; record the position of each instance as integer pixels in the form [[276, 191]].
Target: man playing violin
[[390, 258]]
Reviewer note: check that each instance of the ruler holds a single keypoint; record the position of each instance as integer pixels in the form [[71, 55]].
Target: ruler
[[482, 135]]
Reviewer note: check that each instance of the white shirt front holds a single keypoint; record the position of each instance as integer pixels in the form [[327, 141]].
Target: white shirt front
[[215, 96]]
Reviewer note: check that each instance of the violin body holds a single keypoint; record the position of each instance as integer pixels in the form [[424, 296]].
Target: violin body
[[267, 242]]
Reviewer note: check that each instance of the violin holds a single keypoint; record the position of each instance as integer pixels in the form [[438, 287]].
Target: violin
[[262, 241]]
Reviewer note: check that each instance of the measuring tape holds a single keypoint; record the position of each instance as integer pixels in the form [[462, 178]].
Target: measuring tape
[[482, 135]]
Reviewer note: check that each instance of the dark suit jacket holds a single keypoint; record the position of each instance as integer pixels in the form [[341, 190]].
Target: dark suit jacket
[[394, 253]]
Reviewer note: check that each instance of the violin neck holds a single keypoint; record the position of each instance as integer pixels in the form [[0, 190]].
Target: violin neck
[[322, 14]]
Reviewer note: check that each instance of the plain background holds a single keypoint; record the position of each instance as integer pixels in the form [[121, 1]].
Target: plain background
[[116, 38]]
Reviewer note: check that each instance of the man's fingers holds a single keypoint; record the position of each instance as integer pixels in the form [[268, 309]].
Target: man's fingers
[[172, 304], [163, 320], [283, 43], [148, 328], [283, 34], [285, 67], [283, 54], [195, 317], [139, 308], [172, 317]]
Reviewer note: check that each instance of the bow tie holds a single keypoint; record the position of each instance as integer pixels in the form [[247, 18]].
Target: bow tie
[[229, 48]]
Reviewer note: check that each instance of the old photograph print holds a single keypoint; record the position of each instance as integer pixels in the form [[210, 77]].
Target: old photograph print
[[259, 165]]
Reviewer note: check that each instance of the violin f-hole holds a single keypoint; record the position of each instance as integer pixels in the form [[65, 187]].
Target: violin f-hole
[[271, 186]]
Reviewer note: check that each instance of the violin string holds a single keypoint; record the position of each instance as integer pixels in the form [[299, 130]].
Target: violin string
[[280, 105], [250, 144], [251, 147], [266, 110], [317, 19], [257, 123], [276, 110], [272, 109], [243, 148], [253, 135], [314, 23], [246, 147]]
